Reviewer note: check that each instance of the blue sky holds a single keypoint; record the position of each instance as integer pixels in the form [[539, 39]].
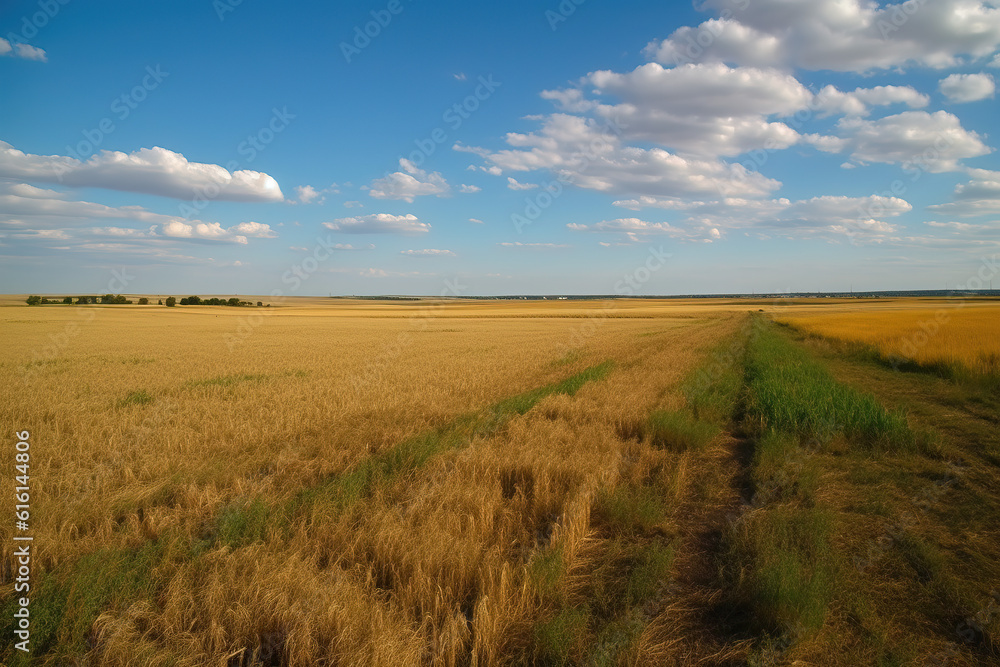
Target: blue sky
[[497, 148]]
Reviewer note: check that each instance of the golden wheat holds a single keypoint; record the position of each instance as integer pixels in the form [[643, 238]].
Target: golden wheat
[[965, 332], [149, 425]]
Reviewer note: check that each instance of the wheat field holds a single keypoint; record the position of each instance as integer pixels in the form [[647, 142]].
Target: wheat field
[[154, 435], [349, 482], [952, 332]]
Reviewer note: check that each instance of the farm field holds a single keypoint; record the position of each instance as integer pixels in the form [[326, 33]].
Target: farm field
[[950, 335], [640, 482]]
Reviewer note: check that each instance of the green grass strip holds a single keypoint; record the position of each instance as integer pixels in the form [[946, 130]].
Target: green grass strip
[[790, 392]]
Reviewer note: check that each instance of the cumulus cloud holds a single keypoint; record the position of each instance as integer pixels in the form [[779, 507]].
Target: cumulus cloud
[[427, 252], [379, 223], [155, 171], [307, 194], [23, 205], [829, 216], [338, 246], [587, 154], [858, 102], [635, 228], [408, 184], [840, 35], [960, 88], [518, 244], [980, 196], [513, 184], [705, 110], [705, 89], [934, 142], [22, 50], [469, 189]]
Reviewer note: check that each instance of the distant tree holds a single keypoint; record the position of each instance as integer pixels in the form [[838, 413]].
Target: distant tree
[[108, 298], [81, 300], [33, 300], [194, 300], [234, 301], [68, 301], [171, 302], [260, 303], [143, 301], [159, 302], [119, 299]]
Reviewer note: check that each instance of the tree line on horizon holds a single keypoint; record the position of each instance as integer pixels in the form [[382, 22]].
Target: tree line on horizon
[[118, 299]]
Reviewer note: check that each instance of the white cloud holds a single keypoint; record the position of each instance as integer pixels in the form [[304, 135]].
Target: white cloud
[[933, 142], [960, 88], [706, 110], [829, 216], [514, 185], [379, 223], [353, 204], [307, 194], [22, 50], [29, 52], [48, 208], [469, 189], [706, 89], [338, 246], [633, 228], [832, 101], [477, 221], [155, 171], [582, 152], [518, 244], [255, 229], [840, 35], [980, 196], [427, 252], [408, 184]]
